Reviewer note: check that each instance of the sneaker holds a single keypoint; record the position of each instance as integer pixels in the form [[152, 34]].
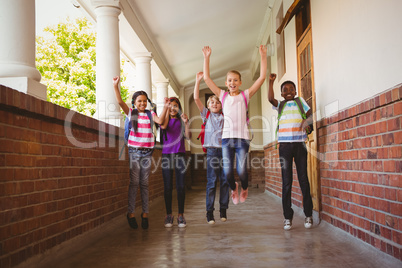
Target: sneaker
[[308, 222], [235, 194], [223, 214], [144, 222], [168, 221], [181, 221], [132, 222], [287, 224], [243, 195], [210, 217]]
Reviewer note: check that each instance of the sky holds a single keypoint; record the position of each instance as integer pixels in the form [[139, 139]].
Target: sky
[[51, 12]]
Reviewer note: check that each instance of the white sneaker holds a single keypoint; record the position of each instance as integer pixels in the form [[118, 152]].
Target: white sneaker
[[181, 221], [308, 222], [287, 224]]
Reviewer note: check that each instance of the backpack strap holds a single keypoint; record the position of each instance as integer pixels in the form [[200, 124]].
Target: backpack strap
[[247, 117], [151, 119], [203, 126], [206, 117], [280, 111], [224, 97], [300, 106], [245, 101], [309, 119]]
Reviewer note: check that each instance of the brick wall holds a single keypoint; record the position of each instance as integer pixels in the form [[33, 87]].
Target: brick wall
[[256, 169], [360, 171], [52, 190], [273, 175]]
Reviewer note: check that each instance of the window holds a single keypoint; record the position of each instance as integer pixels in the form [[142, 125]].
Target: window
[[303, 18]]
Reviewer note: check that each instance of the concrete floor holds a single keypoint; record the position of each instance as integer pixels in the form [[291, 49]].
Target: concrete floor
[[253, 236]]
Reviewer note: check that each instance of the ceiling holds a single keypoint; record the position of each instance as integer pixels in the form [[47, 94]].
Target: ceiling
[[175, 31]]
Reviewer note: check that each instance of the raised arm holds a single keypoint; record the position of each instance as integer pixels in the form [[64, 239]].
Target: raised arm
[[197, 100], [161, 118], [212, 86], [271, 96], [166, 120], [122, 104], [187, 133], [263, 72]]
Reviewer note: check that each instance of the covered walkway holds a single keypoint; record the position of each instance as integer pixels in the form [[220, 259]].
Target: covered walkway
[[252, 237]]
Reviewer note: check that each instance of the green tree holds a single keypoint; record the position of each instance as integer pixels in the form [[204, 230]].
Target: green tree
[[66, 59]]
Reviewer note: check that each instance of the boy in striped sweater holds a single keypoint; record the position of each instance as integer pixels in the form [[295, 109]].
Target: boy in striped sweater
[[291, 139]]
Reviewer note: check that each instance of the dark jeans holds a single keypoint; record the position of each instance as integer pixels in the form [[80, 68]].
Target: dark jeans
[[214, 173], [230, 148], [287, 152], [176, 163]]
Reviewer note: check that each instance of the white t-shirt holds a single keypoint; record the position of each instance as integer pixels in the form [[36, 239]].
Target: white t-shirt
[[235, 116]]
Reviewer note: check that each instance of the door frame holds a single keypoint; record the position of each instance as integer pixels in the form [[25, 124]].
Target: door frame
[[312, 143]]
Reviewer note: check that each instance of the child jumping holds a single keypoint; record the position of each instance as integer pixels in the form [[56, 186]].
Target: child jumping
[[213, 119], [291, 139], [175, 129], [140, 149], [235, 135]]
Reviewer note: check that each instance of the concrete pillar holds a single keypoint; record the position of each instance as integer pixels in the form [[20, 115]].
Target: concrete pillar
[[107, 62], [161, 94], [17, 48], [143, 73]]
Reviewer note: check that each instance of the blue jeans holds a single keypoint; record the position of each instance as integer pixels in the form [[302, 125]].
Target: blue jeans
[[230, 148], [214, 173], [140, 168], [176, 163], [287, 152]]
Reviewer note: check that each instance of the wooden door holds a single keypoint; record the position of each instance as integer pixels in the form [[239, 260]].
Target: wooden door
[[306, 90]]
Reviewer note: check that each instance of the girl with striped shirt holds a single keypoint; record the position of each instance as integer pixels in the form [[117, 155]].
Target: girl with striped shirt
[[140, 148]]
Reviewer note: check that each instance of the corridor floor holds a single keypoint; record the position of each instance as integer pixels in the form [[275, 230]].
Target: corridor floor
[[253, 236]]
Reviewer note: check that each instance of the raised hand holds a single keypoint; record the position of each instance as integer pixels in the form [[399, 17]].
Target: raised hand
[[272, 77], [199, 76], [116, 80], [166, 102], [263, 50], [184, 117], [206, 51]]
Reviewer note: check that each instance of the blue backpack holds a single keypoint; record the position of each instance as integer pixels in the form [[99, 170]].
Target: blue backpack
[[128, 126]]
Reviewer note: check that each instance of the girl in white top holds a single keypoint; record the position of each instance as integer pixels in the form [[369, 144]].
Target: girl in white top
[[235, 135]]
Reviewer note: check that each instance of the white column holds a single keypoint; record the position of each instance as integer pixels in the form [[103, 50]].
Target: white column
[[17, 48], [161, 94], [143, 73], [107, 62]]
